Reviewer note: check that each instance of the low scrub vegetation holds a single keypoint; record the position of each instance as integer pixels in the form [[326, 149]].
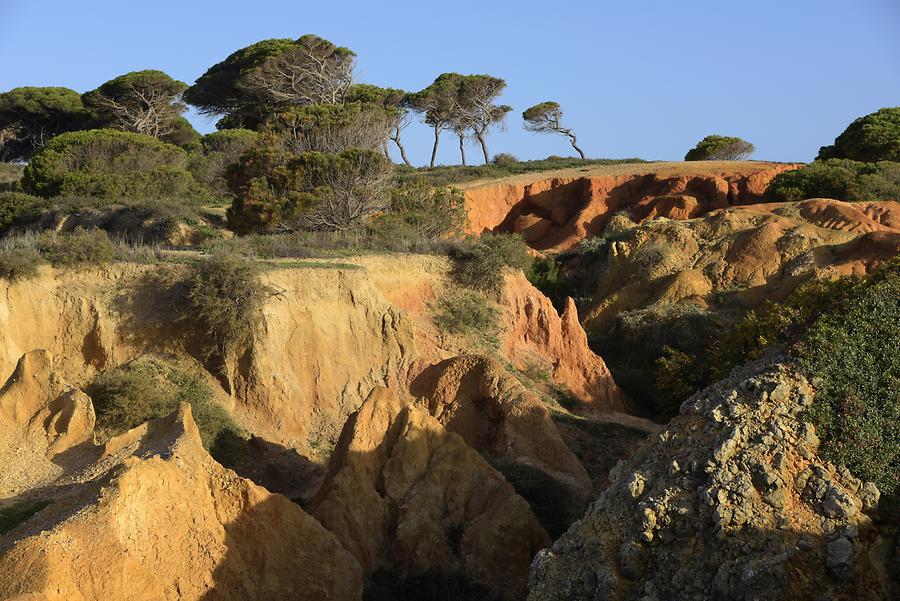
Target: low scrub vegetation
[[458, 174], [76, 248], [16, 206], [109, 163], [842, 179], [843, 334], [221, 296], [466, 312], [127, 396], [479, 262]]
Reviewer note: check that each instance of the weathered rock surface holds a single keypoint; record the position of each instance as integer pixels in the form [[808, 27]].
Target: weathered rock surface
[[731, 501], [555, 212], [536, 336], [750, 253], [327, 338], [41, 417], [157, 518], [406, 496], [476, 398]]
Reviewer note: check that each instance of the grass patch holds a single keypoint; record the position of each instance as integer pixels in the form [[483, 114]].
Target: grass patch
[[457, 174], [13, 515]]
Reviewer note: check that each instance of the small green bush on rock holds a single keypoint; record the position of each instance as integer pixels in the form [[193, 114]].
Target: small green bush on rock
[[480, 261], [126, 396]]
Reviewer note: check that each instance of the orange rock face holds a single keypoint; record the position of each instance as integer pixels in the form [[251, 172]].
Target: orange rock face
[[406, 496], [478, 399], [155, 518], [556, 213], [536, 336]]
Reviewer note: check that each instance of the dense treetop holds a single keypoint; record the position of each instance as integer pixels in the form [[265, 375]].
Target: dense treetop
[[874, 137], [720, 148]]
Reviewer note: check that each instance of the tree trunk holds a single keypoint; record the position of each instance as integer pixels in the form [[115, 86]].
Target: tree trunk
[[574, 145], [402, 152], [462, 149], [484, 149], [384, 149], [437, 131]]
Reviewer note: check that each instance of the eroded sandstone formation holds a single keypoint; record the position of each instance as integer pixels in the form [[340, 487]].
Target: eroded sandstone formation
[[407, 497], [478, 399], [730, 501], [556, 212], [753, 253], [156, 518], [536, 336]]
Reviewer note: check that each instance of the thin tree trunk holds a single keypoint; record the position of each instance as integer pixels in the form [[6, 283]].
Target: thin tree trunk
[[575, 146], [483, 148], [384, 149], [437, 131], [402, 151], [462, 149]]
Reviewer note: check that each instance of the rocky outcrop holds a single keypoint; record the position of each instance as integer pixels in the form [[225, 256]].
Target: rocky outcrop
[[555, 212], [403, 495], [476, 398], [327, 337], [750, 253], [157, 518], [536, 336], [41, 417], [731, 501]]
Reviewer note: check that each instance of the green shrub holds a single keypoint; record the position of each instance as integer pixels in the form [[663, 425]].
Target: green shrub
[[422, 212], [210, 160], [504, 160], [223, 298], [466, 312], [78, 247], [126, 396], [19, 263], [110, 163], [274, 188], [15, 206], [480, 261], [873, 138], [720, 148], [18, 513], [841, 179], [677, 375], [851, 354]]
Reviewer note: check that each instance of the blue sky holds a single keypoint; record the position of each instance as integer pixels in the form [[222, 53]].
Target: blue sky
[[643, 78]]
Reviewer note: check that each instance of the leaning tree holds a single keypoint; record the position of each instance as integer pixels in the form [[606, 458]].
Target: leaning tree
[[546, 118], [143, 102], [31, 116]]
